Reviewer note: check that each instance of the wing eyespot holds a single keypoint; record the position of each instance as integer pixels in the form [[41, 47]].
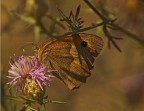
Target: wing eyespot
[[84, 43]]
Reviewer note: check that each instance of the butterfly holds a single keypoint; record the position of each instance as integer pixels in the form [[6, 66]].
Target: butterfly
[[72, 56]]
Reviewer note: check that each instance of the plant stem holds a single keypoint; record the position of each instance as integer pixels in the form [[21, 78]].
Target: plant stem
[[108, 21], [133, 36], [43, 107], [67, 33]]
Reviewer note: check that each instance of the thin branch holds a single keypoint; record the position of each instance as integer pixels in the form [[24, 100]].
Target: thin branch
[[95, 10], [111, 38], [133, 36], [67, 33], [112, 24]]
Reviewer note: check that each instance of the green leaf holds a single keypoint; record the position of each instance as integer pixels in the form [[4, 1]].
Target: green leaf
[[12, 97], [29, 108], [29, 100], [29, 20], [15, 99], [57, 102]]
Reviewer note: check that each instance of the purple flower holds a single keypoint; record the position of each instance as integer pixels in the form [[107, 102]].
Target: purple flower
[[29, 66]]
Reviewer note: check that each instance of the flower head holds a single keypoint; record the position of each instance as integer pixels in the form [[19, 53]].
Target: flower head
[[29, 67]]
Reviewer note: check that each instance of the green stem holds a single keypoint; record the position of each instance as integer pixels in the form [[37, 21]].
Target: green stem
[[43, 107], [57, 102]]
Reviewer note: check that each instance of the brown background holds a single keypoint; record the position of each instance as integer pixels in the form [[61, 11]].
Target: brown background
[[104, 89]]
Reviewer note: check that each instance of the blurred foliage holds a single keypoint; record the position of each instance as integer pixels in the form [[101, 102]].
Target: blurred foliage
[[3, 94], [42, 17]]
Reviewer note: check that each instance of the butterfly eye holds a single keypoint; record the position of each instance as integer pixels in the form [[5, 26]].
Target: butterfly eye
[[84, 43]]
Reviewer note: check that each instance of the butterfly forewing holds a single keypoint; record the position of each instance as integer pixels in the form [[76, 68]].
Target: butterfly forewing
[[72, 59], [89, 52]]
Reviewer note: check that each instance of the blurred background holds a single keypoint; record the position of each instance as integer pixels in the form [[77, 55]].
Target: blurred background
[[117, 81]]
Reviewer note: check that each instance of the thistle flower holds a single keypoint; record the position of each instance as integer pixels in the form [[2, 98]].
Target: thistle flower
[[30, 75]]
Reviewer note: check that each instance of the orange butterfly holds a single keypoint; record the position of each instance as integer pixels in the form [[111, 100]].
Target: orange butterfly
[[73, 57]]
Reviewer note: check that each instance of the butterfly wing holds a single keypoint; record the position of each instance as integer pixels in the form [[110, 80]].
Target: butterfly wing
[[88, 52], [84, 57], [70, 58], [56, 55]]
